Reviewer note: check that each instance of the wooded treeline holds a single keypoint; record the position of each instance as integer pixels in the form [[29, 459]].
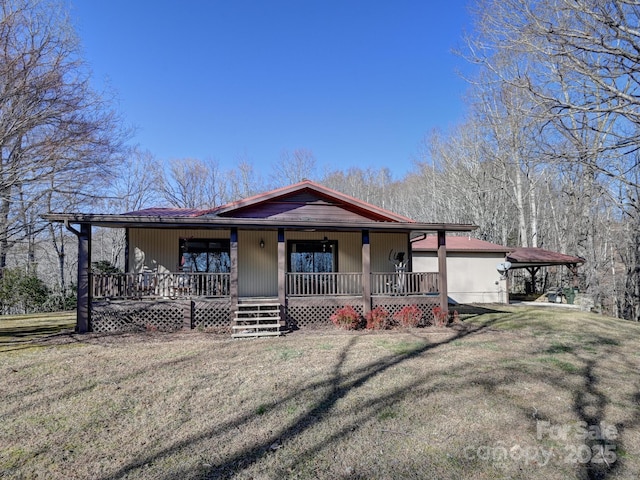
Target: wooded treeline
[[547, 155]]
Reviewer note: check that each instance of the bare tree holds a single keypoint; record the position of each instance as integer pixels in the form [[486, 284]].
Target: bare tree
[[459, 180], [57, 135], [189, 183], [293, 167], [242, 182], [133, 188], [577, 60]]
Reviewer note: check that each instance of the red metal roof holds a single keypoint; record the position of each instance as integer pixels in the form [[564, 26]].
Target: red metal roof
[[268, 211], [457, 243], [540, 257], [347, 201], [166, 212]]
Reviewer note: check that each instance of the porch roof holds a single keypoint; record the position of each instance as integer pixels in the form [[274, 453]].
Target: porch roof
[[178, 218], [525, 257]]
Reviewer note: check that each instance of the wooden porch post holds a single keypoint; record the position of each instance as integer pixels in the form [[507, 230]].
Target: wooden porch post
[[126, 250], [83, 312], [233, 274], [533, 273], [442, 270], [282, 273], [366, 272]]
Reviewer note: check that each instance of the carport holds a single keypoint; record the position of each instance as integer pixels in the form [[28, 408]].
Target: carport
[[533, 259]]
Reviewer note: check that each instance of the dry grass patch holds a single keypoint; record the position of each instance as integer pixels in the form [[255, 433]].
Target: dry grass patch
[[483, 401]]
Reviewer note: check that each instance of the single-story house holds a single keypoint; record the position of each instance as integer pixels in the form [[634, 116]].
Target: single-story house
[[471, 265], [287, 258]]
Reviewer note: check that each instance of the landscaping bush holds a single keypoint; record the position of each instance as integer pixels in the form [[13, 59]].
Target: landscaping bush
[[22, 292], [378, 319], [440, 316], [408, 316], [346, 318]]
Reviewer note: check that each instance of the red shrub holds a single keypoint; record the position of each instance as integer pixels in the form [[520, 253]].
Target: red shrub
[[408, 316], [378, 319], [440, 316], [346, 317]]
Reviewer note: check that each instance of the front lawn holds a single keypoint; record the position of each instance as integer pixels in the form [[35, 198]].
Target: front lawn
[[517, 392]]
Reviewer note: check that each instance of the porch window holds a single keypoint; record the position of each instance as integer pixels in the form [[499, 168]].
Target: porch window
[[205, 255], [313, 256]]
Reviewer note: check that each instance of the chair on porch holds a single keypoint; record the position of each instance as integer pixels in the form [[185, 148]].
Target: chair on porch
[[145, 283], [181, 283]]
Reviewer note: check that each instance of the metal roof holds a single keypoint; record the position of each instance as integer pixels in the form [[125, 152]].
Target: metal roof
[[164, 220], [458, 243], [373, 218], [539, 257]]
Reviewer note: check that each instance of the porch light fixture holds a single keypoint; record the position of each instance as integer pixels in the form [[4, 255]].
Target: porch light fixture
[[261, 243], [324, 242]]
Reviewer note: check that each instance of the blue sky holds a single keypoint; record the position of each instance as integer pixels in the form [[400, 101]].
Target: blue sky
[[358, 83]]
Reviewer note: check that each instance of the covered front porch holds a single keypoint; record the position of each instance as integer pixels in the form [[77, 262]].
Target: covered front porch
[[303, 250], [178, 300], [172, 300]]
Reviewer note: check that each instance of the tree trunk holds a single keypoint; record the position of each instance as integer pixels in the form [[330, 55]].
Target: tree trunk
[[522, 223]]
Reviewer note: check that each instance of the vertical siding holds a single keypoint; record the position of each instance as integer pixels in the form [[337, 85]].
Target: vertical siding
[[471, 277], [154, 248], [257, 267], [382, 244], [158, 249]]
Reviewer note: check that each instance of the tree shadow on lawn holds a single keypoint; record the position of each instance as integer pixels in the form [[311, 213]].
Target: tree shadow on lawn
[[74, 388], [340, 385], [588, 404], [24, 337]]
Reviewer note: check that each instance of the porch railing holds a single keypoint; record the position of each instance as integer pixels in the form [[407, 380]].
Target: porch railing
[[404, 283], [308, 284], [196, 284], [150, 284]]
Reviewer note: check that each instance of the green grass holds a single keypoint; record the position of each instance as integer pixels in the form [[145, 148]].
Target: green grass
[[18, 332], [286, 353], [400, 347], [417, 403], [560, 364]]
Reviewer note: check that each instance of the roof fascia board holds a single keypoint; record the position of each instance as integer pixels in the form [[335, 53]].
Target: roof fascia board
[[315, 187], [122, 221]]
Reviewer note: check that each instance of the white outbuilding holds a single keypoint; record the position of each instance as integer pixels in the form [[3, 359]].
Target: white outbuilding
[[473, 276]]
